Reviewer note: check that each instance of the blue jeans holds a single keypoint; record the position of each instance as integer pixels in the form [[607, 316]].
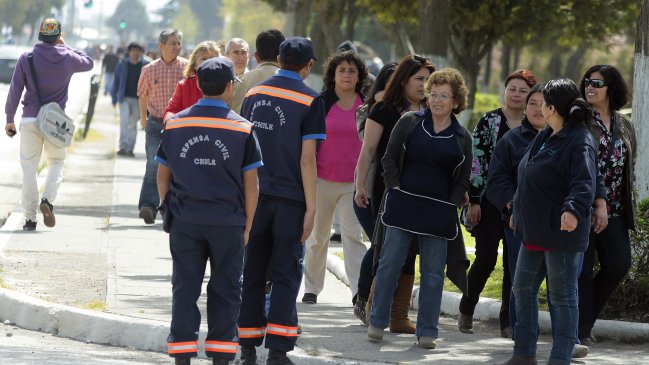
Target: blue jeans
[[562, 270], [109, 78], [149, 191], [432, 251]]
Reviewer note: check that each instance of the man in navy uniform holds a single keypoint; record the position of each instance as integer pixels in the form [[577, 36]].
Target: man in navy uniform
[[208, 182], [288, 123]]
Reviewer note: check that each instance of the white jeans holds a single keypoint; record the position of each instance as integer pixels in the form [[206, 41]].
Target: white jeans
[[129, 115], [32, 144], [330, 194]]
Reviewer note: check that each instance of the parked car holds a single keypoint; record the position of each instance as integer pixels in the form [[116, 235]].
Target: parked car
[[8, 57]]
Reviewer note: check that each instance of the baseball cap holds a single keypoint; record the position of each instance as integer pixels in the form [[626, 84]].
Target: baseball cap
[[50, 30], [216, 72], [296, 51]]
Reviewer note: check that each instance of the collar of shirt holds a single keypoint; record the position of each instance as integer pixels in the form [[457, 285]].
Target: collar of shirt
[[212, 102], [288, 74]]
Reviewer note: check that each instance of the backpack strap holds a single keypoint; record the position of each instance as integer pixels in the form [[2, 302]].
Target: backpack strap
[[30, 58]]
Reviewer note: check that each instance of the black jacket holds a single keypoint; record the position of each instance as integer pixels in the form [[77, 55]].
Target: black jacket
[[557, 174]]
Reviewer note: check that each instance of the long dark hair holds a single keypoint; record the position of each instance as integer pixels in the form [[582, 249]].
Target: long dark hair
[[336, 59], [564, 95], [395, 96], [380, 83], [617, 91]]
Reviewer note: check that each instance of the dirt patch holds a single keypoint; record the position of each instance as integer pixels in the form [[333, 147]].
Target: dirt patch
[[71, 278]]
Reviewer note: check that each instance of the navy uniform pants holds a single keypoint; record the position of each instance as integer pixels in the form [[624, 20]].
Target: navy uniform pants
[[191, 245], [274, 244]]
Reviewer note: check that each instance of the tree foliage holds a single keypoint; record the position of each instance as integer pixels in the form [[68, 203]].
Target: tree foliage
[[17, 13]]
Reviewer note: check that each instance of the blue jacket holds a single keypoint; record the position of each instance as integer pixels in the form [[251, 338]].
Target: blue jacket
[[557, 174], [119, 84]]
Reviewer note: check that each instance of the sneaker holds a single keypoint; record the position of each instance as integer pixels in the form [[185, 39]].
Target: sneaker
[[587, 341], [427, 342], [148, 214], [29, 225], [374, 334], [465, 323], [122, 153], [309, 298], [248, 355], [48, 213], [579, 351], [359, 310], [278, 358]]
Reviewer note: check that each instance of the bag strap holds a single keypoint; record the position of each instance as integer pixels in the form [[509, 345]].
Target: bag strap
[[30, 58]]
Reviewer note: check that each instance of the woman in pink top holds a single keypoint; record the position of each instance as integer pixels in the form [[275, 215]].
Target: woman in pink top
[[344, 75]]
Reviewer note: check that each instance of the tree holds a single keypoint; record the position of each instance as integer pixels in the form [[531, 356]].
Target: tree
[[641, 97], [18, 13], [132, 15], [433, 30]]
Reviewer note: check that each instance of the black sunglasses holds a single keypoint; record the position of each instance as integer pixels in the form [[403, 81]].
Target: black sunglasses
[[596, 83]]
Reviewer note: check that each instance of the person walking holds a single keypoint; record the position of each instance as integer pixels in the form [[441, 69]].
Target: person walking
[[556, 180], [209, 195], [187, 92], [344, 76], [288, 120], [54, 63], [488, 228], [124, 93], [108, 65], [267, 50], [156, 86], [426, 167], [238, 50], [607, 92]]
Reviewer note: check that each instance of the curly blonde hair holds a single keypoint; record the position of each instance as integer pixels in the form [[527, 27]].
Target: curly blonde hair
[[453, 78], [206, 46]]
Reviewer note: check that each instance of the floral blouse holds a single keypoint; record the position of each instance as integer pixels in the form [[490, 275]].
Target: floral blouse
[[611, 166], [490, 129]]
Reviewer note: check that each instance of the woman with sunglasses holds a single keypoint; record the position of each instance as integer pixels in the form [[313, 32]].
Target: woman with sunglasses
[[404, 93], [605, 89], [488, 228]]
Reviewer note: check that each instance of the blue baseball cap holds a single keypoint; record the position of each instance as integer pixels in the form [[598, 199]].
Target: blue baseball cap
[[296, 51], [216, 71]]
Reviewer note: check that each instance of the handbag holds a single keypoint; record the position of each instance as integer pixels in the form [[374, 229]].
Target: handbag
[[56, 126], [420, 214]]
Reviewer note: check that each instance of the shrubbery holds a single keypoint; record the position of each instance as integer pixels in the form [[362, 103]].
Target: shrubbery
[[631, 299], [483, 103]]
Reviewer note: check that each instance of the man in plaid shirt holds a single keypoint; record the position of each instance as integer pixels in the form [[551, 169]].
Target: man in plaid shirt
[[155, 87]]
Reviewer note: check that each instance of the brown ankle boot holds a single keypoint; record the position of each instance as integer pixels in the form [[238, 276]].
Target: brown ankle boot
[[368, 305], [399, 321]]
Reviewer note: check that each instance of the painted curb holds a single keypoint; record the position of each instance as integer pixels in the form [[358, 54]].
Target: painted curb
[[489, 309]]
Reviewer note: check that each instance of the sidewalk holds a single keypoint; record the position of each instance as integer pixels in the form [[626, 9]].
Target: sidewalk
[[100, 252]]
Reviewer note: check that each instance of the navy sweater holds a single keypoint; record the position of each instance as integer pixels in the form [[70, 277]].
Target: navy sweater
[[557, 174]]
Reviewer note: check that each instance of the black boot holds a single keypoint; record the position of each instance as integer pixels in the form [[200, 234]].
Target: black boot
[[278, 358], [248, 355], [216, 361], [183, 361], [359, 310]]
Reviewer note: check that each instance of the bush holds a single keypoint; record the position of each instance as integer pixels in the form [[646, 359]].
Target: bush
[[483, 103], [631, 298]]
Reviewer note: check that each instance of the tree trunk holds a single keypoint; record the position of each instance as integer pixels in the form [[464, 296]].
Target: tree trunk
[[353, 12], [641, 99], [505, 61], [554, 65], [575, 63], [403, 40], [330, 15], [433, 31], [517, 57], [487, 70]]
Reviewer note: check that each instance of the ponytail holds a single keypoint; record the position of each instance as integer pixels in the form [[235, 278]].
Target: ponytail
[[564, 95], [580, 113]]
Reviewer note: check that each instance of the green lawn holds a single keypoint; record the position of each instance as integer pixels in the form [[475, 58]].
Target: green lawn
[[493, 287]]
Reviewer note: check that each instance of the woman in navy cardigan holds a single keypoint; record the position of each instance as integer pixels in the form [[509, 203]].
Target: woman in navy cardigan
[[552, 218]]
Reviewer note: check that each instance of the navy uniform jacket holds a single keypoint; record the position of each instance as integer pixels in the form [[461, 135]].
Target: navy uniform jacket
[[284, 112], [557, 174], [208, 147]]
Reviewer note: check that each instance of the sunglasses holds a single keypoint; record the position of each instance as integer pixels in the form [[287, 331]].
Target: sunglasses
[[596, 83]]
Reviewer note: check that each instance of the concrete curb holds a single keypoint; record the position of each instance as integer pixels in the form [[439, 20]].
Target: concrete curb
[[489, 309]]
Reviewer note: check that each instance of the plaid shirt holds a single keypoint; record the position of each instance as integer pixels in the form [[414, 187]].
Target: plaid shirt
[[158, 82]]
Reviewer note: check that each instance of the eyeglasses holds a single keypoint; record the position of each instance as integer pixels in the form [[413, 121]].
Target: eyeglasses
[[596, 83], [442, 97]]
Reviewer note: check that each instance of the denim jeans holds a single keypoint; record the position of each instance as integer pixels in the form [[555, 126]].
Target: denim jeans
[[149, 191], [432, 251], [562, 270]]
